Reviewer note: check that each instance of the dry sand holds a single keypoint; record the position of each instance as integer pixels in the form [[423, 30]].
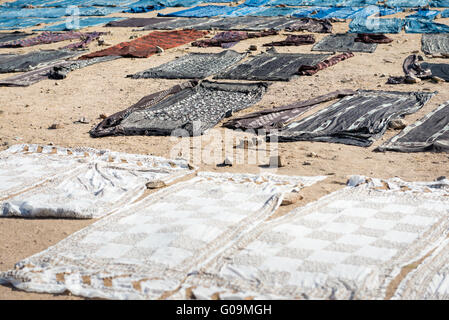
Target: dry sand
[[26, 114]]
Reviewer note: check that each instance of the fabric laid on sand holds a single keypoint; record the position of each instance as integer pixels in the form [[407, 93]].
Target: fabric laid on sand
[[181, 23], [33, 60], [309, 70], [22, 23], [372, 38], [143, 9], [46, 38], [435, 44], [57, 71], [80, 24], [425, 26], [136, 22], [86, 39], [193, 66], [148, 249], [272, 66], [293, 40], [343, 42], [102, 182], [440, 70], [429, 134], [374, 25], [145, 46], [191, 106], [351, 244], [413, 68], [425, 14], [357, 120], [6, 37], [277, 118], [310, 25], [228, 39]]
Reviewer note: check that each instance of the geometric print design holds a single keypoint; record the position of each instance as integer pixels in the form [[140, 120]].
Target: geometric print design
[[148, 248], [348, 245]]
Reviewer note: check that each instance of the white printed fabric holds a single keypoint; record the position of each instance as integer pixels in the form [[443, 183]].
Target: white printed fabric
[[76, 183], [147, 250], [350, 244]]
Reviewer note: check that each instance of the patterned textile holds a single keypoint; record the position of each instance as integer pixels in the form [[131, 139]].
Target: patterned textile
[[86, 39], [308, 70], [310, 25], [272, 66], [193, 66], [227, 39], [98, 182], [57, 70], [33, 60], [373, 38], [293, 40], [136, 22], [429, 134], [343, 43], [357, 120], [435, 44], [191, 106], [48, 37], [351, 244], [277, 118], [145, 46], [148, 249]]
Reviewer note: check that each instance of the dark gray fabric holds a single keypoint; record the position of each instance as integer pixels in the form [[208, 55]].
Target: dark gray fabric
[[440, 70], [278, 117], [356, 120], [272, 66], [343, 43], [136, 22], [33, 60], [12, 36], [245, 23], [194, 107], [431, 133], [435, 43], [193, 66], [58, 70]]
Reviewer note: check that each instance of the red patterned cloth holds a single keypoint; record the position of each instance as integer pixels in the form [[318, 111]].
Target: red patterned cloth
[[311, 70], [145, 46]]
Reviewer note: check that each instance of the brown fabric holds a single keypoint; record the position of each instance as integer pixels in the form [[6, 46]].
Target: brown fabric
[[373, 38], [293, 40], [111, 125], [412, 69], [311, 70], [278, 117], [310, 25], [145, 46]]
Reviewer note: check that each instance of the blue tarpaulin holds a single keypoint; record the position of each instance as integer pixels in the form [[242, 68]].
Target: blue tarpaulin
[[243, 10], [445, 13], [392, 25], [307, 12], [20, 23], [274, 12], [407, 3], [424, 26], [83, 23], [7, 13], [425, 14], [439, 3]]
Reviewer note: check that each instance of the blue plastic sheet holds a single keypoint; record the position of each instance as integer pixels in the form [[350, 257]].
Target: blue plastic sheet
[[201, 11], [274, 12], [407, 3], [439, 3], [83, 23], [8, 13], [425, 14], [338, 13], [23, 3], [375, 25], [307, 12], [21, 23], [445, 13], [424, 26], [243, 10], [318, 3]]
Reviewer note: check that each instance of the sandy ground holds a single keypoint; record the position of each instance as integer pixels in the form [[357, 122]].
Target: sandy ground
[[26, 114]]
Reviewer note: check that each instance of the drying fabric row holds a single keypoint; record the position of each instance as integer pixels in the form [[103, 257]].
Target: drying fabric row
[[45, 181], [395, 25], [351, 3], [211, 237], [358, 118]]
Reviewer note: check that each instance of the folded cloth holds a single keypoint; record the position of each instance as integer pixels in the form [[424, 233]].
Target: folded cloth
[[293, 40]]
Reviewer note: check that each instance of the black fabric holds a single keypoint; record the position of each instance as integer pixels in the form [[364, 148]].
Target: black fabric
[[356, 120], [343, 43], [12, 36], [137, 22], [32, 60], [440, 70], [272, 66], [182, 23], [431, 133], [192, 106], [193, 66]]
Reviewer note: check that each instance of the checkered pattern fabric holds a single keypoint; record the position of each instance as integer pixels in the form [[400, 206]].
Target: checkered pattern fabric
[[150, 247]]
